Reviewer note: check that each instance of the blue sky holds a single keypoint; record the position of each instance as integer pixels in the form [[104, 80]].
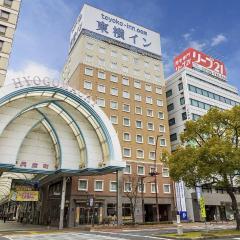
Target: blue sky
[[42, 37]]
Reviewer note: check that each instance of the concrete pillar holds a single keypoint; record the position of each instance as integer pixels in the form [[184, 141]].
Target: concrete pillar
[[63, 195], [119, 180]]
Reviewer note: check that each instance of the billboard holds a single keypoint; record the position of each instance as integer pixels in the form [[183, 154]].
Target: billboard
[[110, 26], [192, 58], [24, 196]]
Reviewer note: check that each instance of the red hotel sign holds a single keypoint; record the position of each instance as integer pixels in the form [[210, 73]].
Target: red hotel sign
[[194, 59]]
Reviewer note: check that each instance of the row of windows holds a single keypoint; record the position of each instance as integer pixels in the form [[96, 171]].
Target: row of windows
[[212, 95], [139, 137], [115, 78], [99, 186], [141, 170], [115, 54], [101, 101], [170, 92], [172, 121], [140, 152], [199, 104]]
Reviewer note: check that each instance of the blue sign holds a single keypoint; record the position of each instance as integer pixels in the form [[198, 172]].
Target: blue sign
[[183, 215]]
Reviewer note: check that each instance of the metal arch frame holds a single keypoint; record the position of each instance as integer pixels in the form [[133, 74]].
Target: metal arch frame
[[82, 144], [54, 90], [2, 177]]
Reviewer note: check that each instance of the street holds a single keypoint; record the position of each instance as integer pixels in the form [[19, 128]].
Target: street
[[138, 234]]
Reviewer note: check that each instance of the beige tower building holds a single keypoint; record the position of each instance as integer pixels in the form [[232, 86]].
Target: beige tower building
[[119, 65], [9, 10]]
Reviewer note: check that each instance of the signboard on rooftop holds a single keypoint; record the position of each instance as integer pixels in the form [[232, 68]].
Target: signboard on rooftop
[[192, 58], [110, 26]]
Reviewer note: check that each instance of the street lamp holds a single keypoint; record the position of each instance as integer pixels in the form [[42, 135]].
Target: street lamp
[[155, 173]]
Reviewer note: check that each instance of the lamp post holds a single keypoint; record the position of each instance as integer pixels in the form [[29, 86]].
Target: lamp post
[[142, 189]]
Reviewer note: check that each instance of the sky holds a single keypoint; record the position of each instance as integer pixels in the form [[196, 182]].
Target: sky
[[42, 37]]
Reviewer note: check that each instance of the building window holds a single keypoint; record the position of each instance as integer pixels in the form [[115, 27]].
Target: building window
[[101, 75], [184, 116], [113, 53], [139, 138], [153, 188], [136, 72], [124, 57], [127, 152], [146, 64], [147, 75], [158, 90], [126, 122], [182, 100], [101, 88], [102, 50], [114, 91], [137, 84], [101, 62], [126, 94], [149, 100], [166, 188], [138, 124], [148, 87], [138, 110], [128, 169], [127, 187], [162, 128], [156, 67], [157, 78], [87, 85], [140, 153], [162, 142], [89, 71], [180, 86], [141, 187], [113, 105], [169, 93], [114, 78], [140, 170], [1, 44], [126, 136], [82, 184], [159, 102], [150, 126], [114, 65], [2, 29], [113, 186], [8, 3], [171, 121], [153, 169], [126, 107], [125, 81], [149, 112], [114, 119], [98, 185], [4, 14], [165, 172], [101, 102], [135, 60], [160, 115], [170, 107], [195, 116], [89, 58], [152, 155], [125, 69], [138, 97], [151, 140], [173, 137], [89, 46]]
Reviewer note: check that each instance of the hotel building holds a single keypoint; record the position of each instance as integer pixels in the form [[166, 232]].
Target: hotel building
[[9, 10], [192, 90], [118, 64]]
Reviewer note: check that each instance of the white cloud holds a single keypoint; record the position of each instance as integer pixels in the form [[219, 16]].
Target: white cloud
[[220, 38], [197, 45], [186, 36], [32, 69]]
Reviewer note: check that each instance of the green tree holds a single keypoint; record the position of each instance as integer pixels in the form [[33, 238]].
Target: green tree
[[210, 153]]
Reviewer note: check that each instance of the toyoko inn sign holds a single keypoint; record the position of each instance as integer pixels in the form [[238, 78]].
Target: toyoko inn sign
[[48, 127], [116, 28]]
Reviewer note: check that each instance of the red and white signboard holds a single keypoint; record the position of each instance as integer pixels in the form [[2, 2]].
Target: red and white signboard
[[194, 59]]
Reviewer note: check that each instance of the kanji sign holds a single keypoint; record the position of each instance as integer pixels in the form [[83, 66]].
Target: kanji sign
[[103, 23], [194, 59], [202, 207], [24, 196]]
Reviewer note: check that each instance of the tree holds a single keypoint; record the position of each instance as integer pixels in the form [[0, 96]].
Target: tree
[[132, 185], [210, 153]]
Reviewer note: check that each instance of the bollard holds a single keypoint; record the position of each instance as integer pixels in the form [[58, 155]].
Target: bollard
[[179, 229]]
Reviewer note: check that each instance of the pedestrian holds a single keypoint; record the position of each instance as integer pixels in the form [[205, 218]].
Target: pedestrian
[[4, 218]]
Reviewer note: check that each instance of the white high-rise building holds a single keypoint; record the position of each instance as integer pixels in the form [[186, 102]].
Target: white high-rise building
[[191, 91]]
